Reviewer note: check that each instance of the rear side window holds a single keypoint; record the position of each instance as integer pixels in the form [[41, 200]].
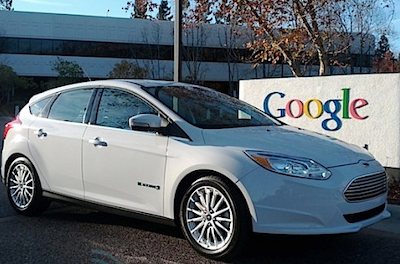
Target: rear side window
[[71, 106], [37, 107]]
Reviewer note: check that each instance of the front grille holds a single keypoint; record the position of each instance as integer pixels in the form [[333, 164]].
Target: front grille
[[366, 187]]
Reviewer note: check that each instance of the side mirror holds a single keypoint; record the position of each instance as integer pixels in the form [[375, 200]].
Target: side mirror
[[145, 122]]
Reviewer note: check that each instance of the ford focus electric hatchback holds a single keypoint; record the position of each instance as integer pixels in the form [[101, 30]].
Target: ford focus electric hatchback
[[187, 155]]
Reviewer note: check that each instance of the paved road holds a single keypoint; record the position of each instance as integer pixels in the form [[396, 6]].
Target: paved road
[[67, 234]]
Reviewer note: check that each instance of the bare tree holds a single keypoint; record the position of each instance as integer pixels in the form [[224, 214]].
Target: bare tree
[[363, 20], [140, 8], [299, 32], [232, 42], [197, 16], [195, 39], [155, 52]]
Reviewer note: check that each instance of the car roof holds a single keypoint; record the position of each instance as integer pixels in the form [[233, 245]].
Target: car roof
[[140, 82], [151, 83]]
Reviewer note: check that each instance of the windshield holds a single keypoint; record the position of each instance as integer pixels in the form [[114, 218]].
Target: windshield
[[206, 108]]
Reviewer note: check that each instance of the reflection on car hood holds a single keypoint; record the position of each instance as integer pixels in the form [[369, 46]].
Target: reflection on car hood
[[290, 141]]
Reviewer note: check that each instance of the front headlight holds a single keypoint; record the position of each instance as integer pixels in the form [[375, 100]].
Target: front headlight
[[292, 166]]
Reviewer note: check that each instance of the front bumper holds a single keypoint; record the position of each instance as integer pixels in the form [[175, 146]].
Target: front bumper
[[290, 205]]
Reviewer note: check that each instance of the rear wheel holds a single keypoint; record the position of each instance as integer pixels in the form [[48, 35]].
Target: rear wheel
[[24, 189], [214, 218]]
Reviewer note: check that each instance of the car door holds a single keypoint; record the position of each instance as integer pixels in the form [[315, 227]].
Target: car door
[[56, 142], [121, 167]]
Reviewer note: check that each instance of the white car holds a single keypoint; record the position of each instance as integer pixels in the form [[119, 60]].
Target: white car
[[187, 155]]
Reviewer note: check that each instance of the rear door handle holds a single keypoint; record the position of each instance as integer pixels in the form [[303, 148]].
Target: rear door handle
[[40, 133], [98, 142]]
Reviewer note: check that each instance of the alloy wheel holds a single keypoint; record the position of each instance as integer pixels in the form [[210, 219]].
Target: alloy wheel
[[209, 218], [21, 186]]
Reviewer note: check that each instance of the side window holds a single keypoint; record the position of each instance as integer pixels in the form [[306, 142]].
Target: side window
[[116, 107], [71, 106], [37, 107]]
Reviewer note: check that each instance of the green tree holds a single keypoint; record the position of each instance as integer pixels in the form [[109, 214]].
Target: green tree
[[68, 72], [127, 70], [164, 11], [384, 60], [8, 81], [5, 4], [383, 47], [14, 90]]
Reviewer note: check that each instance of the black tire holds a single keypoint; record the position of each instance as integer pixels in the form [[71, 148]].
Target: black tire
[[24, 189], [214, 218]]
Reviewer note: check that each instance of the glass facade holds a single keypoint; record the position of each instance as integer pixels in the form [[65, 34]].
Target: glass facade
[[9, 45], [32, 46]]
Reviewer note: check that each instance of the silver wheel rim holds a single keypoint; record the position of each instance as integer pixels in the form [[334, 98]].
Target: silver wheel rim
[[209, 218], [21, 186]]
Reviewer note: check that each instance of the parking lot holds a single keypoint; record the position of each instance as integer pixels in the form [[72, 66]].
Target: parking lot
[[68, 234]]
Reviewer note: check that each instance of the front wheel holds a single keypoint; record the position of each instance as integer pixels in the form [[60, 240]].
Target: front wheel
[[24, 189], [214, 218]]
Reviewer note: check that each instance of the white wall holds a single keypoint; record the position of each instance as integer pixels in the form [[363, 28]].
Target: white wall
[[380, 129], [90, 28]]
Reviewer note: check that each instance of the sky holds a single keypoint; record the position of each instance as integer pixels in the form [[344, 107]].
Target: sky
[[395, 38], [113, 8]]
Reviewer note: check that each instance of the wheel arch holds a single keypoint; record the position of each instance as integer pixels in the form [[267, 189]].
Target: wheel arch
[[9, 162], [194, 176], [11, 159], [34, 203]]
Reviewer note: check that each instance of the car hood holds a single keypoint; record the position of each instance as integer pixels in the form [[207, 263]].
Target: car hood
[[289, 141]]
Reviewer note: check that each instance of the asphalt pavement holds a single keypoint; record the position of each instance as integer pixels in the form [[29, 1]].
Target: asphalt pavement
[[68, 234], [388, 225], [391, 224]]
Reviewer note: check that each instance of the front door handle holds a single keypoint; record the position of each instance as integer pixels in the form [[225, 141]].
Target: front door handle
[[40, 133], [98, 142]]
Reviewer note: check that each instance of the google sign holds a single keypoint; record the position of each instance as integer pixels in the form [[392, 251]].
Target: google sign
[[362, 109], [313, 108]]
